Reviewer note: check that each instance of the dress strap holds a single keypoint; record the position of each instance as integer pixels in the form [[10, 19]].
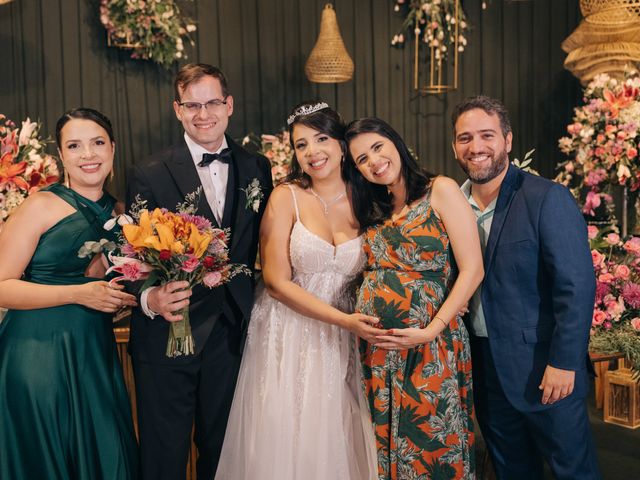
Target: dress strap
[[295, 201]]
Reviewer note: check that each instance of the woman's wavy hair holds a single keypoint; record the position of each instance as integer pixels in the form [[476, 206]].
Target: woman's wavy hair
[[325, 120], [372, 203]]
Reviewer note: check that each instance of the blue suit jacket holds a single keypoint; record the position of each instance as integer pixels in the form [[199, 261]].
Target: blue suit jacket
[[539, 287]]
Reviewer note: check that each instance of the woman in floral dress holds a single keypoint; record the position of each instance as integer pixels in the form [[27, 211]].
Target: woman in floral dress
[[418, 379]]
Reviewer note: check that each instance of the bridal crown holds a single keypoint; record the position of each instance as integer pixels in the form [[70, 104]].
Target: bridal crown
[[306, 110]]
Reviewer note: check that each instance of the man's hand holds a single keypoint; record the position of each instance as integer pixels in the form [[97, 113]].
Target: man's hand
[[169, 299], [556, 384]]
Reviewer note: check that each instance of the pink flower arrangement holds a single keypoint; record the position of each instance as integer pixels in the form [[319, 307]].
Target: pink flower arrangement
[[603, 142], [278, 151], [25, 167], [617, 269]]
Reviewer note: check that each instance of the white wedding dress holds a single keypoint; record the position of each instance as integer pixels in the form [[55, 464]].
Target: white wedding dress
[[298, 410]]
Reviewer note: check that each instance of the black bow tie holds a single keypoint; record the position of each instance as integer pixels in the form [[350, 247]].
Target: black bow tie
[[224, 156]]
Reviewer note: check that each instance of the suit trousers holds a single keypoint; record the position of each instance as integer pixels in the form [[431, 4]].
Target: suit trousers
[[172, 398], [518, 441]]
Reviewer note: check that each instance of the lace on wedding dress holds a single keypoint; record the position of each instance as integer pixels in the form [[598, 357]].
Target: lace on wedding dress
[[299, 410]]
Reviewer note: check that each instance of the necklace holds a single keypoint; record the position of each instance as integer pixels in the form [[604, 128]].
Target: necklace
[[326, 205]]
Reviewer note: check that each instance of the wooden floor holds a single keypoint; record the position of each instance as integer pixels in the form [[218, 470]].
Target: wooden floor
[[617, 446]]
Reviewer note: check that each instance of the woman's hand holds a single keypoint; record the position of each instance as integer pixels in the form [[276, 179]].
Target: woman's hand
[[404, 338], [100, 296], [364, 326]]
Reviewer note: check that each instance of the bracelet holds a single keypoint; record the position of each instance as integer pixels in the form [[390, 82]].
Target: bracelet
[[443, 322]]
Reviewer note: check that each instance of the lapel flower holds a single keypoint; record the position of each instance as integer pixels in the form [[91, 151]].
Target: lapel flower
[[254, 195]]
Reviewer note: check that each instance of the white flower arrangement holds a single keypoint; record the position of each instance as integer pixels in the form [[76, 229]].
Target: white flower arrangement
[[434, 22]]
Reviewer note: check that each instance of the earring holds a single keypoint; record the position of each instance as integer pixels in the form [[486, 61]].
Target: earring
[[111, 175], [67, 182]]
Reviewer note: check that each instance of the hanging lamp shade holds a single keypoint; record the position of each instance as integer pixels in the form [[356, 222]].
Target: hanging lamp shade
[[606, 41], [329, 61]]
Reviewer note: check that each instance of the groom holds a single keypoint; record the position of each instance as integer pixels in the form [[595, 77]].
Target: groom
[[173, 393]]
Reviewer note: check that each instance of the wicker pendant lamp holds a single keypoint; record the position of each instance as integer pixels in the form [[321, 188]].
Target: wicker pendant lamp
[[606, 41], [329, 61]]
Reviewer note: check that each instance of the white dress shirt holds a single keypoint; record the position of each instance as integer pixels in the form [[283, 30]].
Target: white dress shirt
[[213, 178]]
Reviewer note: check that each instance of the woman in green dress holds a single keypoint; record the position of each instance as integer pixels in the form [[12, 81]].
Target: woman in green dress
[[64, 409]]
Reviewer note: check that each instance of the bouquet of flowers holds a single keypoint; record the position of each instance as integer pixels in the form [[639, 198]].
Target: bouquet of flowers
[[163, 246], [603, 142], [277, 149], [616, 318], [25, 167], [434, 21], [154, 30]]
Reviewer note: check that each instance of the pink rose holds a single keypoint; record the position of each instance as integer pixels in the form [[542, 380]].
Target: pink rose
[[212, 279], [592, 232], [635, 323], [632, 153], [632, 246], [190, 264], [597, 257], [612, 239], [606, 278], [615, 308], [598, 318], [621, 272]]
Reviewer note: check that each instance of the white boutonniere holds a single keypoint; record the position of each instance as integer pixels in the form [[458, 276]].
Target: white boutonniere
[[254, 195]]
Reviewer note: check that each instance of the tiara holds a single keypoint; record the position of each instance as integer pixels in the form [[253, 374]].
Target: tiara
[[306, 110]]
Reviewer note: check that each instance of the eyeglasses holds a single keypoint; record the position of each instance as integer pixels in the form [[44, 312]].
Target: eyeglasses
[[195, 107]]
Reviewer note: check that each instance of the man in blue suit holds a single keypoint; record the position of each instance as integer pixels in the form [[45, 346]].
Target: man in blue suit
[[529, 321]]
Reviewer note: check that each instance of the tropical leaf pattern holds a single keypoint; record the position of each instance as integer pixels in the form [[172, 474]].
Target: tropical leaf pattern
[[420, 399]]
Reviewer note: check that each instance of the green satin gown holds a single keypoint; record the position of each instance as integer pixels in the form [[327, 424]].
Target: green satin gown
[[64, 411]]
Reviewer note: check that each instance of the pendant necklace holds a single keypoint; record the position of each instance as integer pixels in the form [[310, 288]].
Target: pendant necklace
[[326, 205]]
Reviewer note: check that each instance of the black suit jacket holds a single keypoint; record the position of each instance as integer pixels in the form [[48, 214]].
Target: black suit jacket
[[163, 180]]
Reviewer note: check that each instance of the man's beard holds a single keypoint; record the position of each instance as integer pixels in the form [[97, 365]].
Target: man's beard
[[480, 176]]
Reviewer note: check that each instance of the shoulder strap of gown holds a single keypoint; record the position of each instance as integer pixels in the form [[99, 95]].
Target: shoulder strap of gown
[[96, 213], [295, 201]]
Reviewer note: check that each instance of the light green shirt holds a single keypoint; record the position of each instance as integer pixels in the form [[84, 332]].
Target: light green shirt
[[484, 219]]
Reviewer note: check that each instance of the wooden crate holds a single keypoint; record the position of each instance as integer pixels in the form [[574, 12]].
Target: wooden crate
[[621, 398]]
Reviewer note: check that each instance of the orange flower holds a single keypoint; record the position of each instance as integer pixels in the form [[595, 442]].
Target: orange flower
[[198, 241], [616, 102], [9, 171]]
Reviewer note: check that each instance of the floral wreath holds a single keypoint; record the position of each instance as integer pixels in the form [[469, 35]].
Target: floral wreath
[[154, 29]]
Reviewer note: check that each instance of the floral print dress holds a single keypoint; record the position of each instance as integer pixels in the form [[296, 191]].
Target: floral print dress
[[421, 398]]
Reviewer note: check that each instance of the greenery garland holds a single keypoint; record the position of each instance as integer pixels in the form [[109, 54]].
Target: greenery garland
[[154, 29]]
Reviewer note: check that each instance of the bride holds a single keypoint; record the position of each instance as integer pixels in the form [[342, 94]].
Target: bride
[[298, 410]]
